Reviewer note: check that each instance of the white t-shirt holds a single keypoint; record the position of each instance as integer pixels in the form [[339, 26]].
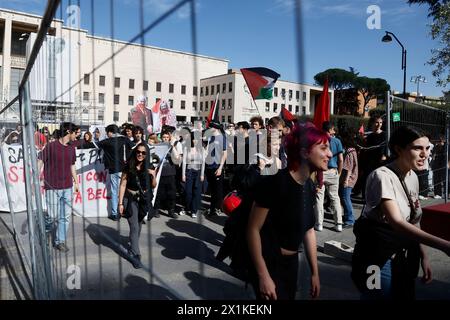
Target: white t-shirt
[[383, 183]]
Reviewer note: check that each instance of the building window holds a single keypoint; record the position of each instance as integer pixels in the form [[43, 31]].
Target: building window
[[229, 119], [101, 115], [194, 91], [183, 105], [116, 116], [130, 100], [283, 93], [297, 95], [183, 89], [116, 99], [129, 117], [194, 105], [230, 103], [85, 96], [275, 107], [18, 43], [290, 108], [145, 85], [275, 92], [171, 103], [131, 84], [267, 106], [290, 94], [303, 110], [223, 104], [212, 103], [206, 91], [206, 105], [117, 82], [101, 81], [223, 118], [158, 87], [201, 91], [304, 96], [86, 78], [282, 106], [230, 86], [201, 106], [101, 98], [171, 86], [297, 109], [212, 90], [218, 88], [224, 87]]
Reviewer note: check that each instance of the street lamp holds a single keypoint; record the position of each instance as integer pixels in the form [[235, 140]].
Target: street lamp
[[387, 38], [418, 79]]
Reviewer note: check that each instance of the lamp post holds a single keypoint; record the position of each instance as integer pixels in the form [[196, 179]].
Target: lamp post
[[387, 38], [418, 79]]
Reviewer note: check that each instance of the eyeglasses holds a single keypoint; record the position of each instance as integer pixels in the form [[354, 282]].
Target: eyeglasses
[[141, 152]]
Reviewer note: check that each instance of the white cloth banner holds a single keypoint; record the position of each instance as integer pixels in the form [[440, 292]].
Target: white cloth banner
[[91, 201]]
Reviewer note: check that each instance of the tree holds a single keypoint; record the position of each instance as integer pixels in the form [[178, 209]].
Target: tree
[[371, 88], [439, 10], [338, 79]]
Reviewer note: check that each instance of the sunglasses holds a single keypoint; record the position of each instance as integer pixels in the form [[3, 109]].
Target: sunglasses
[[141, 152]]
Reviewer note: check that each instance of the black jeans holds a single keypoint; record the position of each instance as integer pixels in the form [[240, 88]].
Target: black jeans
[[215, 188], [134, 221], [167, 192]]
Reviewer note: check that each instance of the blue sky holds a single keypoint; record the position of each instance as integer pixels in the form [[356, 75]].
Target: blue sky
[[262, 33]]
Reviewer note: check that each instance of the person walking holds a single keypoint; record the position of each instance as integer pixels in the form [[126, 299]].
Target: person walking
[[60, 180], [135, 196], [193, 174], [331, 181], [388, 233], [283, 217], [116, 149]]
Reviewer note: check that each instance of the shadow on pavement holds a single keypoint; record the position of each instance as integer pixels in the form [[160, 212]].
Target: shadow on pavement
[[137, 288], [179, 248], [109, 237], [213, 288], [333, 261], [197, 231]]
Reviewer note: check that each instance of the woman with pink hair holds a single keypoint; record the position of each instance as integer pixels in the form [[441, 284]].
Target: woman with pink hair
[[283, 217]]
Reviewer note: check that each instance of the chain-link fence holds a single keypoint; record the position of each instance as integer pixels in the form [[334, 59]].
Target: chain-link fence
[[434, 179]]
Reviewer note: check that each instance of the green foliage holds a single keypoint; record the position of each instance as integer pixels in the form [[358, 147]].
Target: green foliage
[[439, 10], [337, 78]]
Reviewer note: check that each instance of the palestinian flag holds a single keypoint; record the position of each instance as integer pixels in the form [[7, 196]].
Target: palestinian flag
[[260, 81]]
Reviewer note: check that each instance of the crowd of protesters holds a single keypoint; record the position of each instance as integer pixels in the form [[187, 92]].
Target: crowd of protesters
[[282, 170]]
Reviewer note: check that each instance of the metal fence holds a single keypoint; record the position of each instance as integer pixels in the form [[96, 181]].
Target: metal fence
[[434, 180]]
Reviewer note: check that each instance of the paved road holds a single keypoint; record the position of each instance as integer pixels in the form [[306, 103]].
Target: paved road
[[178, 256]]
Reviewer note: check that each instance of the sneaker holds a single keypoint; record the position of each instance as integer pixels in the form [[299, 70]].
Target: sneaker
[[347, 225], [172, 214], [136, 261], [194, 215], [182, 213], [422, 197], [437, 196], [338, 228], [218, 212], [61, 247], [318, 227], [114, 218]]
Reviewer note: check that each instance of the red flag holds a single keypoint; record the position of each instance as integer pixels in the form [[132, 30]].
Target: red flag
[[322, 112], [213, 112], [286, 115]]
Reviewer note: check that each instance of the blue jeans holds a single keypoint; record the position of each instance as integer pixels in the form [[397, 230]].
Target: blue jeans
[[385, 282], [59, 208], [114, 185], [349, 218], [193, 190]]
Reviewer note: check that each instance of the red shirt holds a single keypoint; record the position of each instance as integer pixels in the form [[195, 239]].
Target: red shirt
[[58, 159]]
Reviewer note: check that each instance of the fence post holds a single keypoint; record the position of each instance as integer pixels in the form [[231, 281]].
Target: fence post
[[388, 120], [447, 136]]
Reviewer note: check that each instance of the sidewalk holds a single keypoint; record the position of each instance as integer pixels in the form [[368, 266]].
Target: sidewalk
[[178, 257]]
